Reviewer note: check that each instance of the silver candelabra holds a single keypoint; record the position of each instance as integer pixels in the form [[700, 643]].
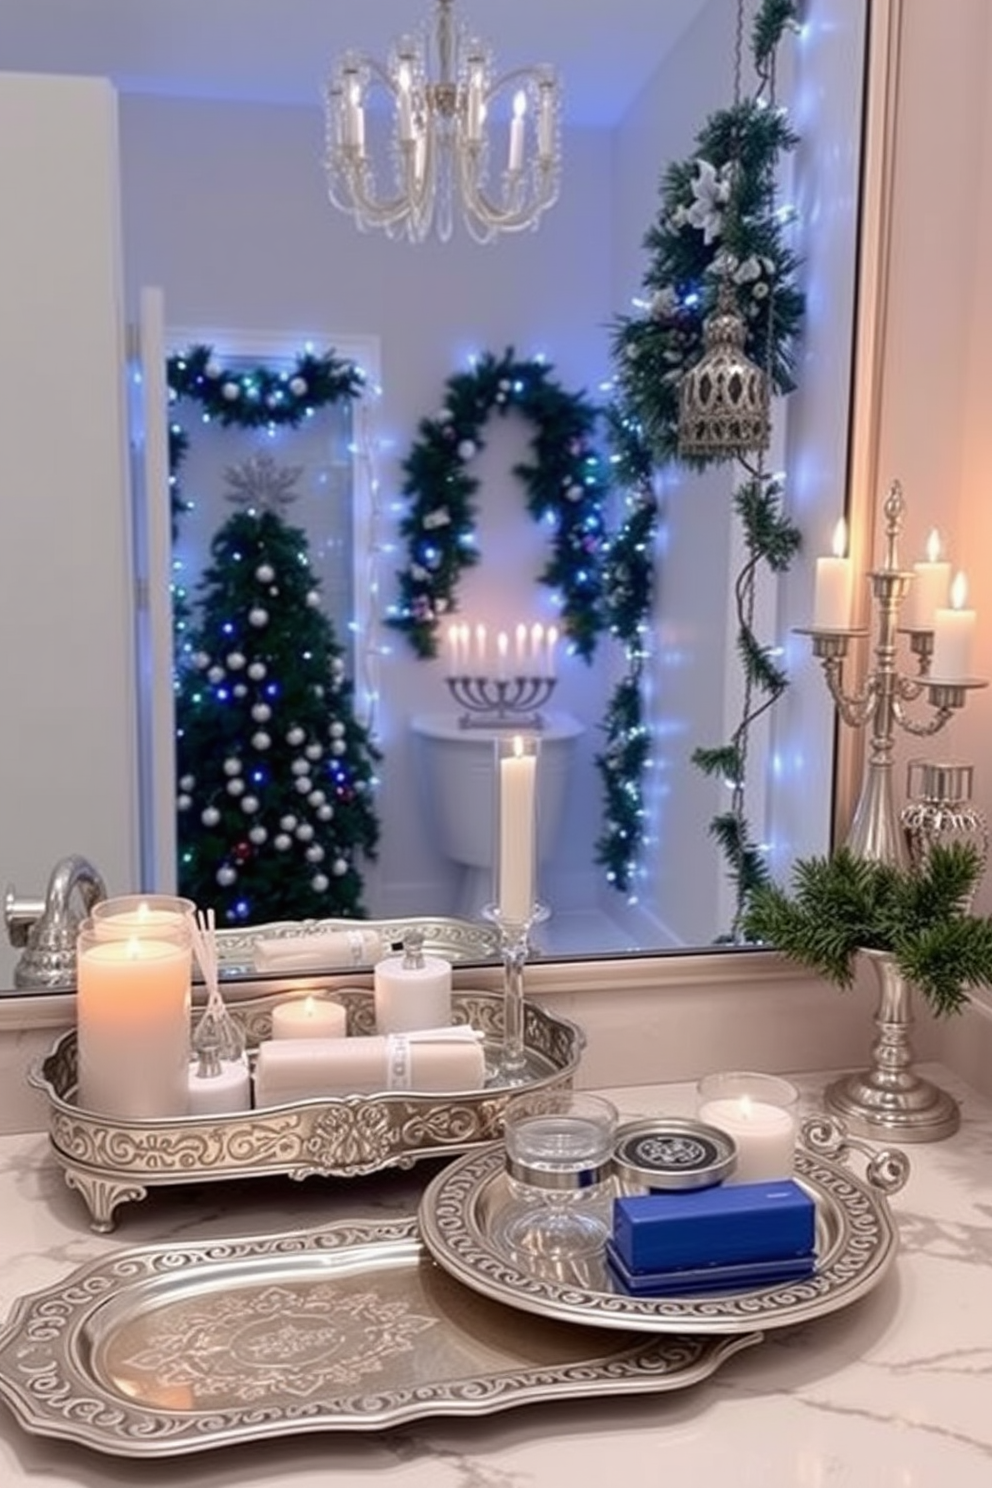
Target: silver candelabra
[[876, 831], [889, 1099], [501, 702]]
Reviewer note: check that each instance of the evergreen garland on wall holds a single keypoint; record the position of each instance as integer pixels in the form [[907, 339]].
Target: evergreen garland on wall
[[565, 480], [717, 221]]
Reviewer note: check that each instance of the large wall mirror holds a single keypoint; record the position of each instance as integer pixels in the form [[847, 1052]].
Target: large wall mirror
[[223, 205]]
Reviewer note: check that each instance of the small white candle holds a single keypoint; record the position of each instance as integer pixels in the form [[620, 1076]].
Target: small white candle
[[226, 1090], [133, 1025], [953, 632], [765, 1136], [930, 587], [834, 586], [480, 650], [521, 648], [473, 122], [517, 800], [552, 663], [545, 123], [502, 654], [454, 650], [537, 648], [516, 159], [309, 1017]]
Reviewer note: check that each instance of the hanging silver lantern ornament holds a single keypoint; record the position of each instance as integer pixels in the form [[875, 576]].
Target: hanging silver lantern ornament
[[724, 400], [939, 809]]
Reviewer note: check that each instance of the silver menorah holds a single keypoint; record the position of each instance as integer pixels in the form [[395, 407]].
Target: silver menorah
[[501, 702]]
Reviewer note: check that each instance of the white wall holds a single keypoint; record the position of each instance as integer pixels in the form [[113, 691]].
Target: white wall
[[67, 766]]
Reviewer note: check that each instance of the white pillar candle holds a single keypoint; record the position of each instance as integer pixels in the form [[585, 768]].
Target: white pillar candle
[[517, 783], [834, 586], [309, 1017], [412, 991], [930, 588], [133, 1025], [953, 633]]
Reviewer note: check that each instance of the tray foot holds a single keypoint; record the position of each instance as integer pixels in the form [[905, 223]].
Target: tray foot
[[102, 1196]]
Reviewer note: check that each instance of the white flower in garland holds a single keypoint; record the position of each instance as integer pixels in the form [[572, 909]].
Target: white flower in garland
[[710, 192]]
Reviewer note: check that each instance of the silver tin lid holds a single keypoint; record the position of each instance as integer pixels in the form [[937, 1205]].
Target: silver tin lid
[[559, 1180], [666, 1153]]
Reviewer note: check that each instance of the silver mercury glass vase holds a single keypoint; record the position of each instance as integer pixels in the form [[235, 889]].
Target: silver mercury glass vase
[[939, 809]]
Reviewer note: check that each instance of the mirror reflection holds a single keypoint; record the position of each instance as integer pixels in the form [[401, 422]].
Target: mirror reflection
[[223, 205]]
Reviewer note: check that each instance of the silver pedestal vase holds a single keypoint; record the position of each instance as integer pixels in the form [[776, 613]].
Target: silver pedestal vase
[[890, 1099]]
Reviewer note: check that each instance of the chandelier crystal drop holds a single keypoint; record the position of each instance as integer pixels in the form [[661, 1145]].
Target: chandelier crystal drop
[[404, 143]]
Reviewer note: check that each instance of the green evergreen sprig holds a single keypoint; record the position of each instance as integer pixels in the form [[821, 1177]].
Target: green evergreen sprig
[[843, 904], [565, 479]]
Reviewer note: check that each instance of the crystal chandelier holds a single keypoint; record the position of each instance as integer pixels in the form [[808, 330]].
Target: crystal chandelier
[[491, 141]]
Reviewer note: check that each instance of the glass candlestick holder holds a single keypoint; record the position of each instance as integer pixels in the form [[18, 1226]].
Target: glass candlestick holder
[[510, 1066]]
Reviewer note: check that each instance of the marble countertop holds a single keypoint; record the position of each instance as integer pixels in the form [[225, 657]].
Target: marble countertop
[[891, 1392]]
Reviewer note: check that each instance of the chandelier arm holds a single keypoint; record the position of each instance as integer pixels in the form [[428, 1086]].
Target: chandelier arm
[[508, 219], [921, 728]]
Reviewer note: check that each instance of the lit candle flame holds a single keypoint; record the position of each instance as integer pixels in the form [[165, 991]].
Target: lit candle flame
[[959, 592], [308, 1007], [840, 539], [933, 546], [746, 1110]]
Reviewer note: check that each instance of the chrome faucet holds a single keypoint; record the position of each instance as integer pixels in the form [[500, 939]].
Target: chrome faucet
[[47, 929]]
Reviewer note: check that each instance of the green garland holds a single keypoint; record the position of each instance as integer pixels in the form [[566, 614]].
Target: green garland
[[254, 399], [565, 479], [717, 219]]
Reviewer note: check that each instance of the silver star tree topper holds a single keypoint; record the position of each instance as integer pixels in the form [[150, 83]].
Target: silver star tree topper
[[261, 484]]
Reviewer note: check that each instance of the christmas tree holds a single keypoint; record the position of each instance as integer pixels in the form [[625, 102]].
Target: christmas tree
[[275, 772]]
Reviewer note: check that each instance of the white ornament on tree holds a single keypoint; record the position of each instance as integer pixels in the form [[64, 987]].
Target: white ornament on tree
[[261, 741], [257, 671], [265, 573], [282, 843], [210, 816], [258, 617]]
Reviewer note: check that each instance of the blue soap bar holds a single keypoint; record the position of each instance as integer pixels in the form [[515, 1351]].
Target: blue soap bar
[[687, 1281], [723, 1225]]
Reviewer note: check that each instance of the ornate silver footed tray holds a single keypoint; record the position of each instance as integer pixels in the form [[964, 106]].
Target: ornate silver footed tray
[[855, 1245], [164, 1350], [111, 1161]]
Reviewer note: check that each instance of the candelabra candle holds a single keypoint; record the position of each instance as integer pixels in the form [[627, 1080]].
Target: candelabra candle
[[501, 702]]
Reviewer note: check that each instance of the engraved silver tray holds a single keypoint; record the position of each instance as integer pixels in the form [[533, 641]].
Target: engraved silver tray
[[164, 1350], [110, 1161], [855, 1245]]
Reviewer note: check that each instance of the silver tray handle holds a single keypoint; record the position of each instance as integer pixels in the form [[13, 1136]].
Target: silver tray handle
[[886, 1168]]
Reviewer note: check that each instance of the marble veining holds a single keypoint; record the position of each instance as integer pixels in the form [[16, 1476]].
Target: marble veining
[[891, 1392]]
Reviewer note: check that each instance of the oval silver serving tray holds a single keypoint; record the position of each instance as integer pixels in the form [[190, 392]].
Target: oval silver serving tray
[[111, 1161], [456, 940], [855, 1244], [159, 1351]]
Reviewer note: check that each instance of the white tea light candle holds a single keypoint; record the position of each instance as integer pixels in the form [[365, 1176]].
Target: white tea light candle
[[309, 1017], [834, 586], [760, 1113]]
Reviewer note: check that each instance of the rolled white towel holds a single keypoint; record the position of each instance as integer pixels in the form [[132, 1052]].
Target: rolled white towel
[[319, 952], [428, 1061]]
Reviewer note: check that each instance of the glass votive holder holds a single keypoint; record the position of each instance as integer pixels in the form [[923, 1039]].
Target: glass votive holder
[[559, 1150], [141, 914], [133, 1003], [761, 1113]]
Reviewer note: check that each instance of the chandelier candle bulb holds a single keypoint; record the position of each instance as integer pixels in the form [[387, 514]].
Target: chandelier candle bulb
[[309, 1017], [834, 586], [953, 633], [412, 991], [133, 1003], [930, 587], [516, 159], [517, 781]]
